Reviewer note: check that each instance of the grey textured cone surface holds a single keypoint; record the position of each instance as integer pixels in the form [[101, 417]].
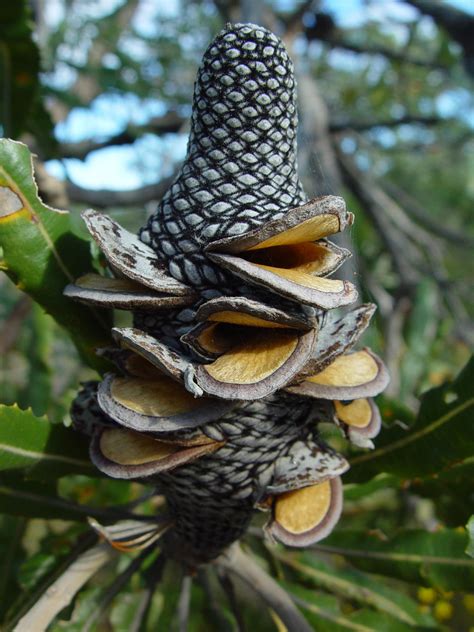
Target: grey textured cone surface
[[240, 169], [239, 357]]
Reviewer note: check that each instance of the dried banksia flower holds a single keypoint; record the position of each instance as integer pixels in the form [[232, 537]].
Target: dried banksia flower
[[236, 354]]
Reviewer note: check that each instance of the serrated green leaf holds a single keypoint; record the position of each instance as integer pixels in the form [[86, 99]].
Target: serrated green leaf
[[42, 254], [40, 449], [442, 435], [437, 559]]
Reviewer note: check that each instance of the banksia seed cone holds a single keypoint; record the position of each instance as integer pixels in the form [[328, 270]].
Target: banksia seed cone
[[236, 354]]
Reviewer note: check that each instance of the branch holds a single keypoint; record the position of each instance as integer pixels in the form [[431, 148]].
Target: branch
[[374, 205], [152, 576], [120, 582], [238, 563], [420, 215], [86, 86], [213, 603], [104, 198], [169, 123], [393, 336], [325, 30], [459, 25], [62, 591], [228, 588], [361, 126], [184, 603], [322, 175]]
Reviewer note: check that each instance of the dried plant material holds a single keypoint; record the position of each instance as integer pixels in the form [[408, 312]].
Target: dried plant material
[[293, 284], [210, 340], [318, 258], [126, 447], [281, 254], [256, 366], [130, 256], [350, 376], [155, 405], [120, 294], [155, 352], [337, 335], [125, 454], [239, 310], [314, 220], [131, 535], [357, 413], [307, 463], [137, 366], [307, 515], [360, 419]]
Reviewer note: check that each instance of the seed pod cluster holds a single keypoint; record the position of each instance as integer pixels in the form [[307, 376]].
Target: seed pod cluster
[[237, 351]]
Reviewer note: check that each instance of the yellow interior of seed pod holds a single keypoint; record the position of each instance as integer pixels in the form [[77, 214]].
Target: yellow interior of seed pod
[[139, 367], [303, 509], [256, 356], [321, 284], [247, 320], [218, 338], [96, 282], [157, 397], [352, 369], [126, 447], [358, 413], [309, 258], [310, 230]]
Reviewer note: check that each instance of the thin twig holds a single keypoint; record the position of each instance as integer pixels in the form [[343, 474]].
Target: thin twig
[[398, 247], [394, 556], [236, 562], [420, 215], [114, 589], [21, 607], [228, 588], [84, 511], [407, 119], [222, 623], [184, 601], [62, 591], [329, 616], [152, 576], [394, 345], [105, 198]]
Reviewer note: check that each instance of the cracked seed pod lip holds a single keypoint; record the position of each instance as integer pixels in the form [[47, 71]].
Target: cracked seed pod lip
[[237, 352]]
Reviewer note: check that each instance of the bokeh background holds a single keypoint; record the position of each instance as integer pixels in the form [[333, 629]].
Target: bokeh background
[[100, 91]]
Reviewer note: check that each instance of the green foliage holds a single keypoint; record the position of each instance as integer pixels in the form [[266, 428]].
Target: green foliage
[[470, 531], [39, 450], [19, 66], [442, 432], [358, 587], [437, 559], [406, 501], [41, 254]]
